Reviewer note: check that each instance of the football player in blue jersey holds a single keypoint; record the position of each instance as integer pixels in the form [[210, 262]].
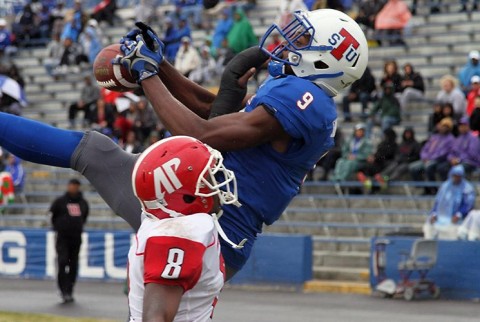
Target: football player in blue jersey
[[287, 126]]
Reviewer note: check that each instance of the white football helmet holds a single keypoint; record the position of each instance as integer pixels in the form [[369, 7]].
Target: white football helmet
[[335, 56]]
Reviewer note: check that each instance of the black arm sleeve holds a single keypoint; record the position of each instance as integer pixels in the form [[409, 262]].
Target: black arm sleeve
[[230, 95]]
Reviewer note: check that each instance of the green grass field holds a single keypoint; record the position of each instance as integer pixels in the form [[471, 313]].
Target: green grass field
[[27, 317]]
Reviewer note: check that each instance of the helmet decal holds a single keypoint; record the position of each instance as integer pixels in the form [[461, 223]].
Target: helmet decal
[[164, 176], [347, 43]]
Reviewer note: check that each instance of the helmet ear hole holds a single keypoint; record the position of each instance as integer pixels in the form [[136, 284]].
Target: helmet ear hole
[[189, 198], [319, 64]]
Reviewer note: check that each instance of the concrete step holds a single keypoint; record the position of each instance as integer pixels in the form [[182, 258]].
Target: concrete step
[[351, 259], [341, 273], [345, 287]]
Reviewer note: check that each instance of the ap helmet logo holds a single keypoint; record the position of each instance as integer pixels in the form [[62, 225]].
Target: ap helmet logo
[[165, 176]]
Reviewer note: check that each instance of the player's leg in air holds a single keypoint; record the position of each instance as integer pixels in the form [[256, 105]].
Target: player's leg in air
[[94, 155]]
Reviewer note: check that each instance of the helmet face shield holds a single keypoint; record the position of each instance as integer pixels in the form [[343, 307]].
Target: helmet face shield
[[217, 180], [290, 35], [296, 37]]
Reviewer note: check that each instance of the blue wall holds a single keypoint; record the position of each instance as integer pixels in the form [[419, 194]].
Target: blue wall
[[457, 272], [278, 258], [30, 253]]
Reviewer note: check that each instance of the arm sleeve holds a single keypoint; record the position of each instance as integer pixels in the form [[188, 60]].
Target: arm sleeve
[[231, 94], [173, 261]]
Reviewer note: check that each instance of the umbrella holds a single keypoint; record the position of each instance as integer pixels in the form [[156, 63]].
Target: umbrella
[[11, 88]]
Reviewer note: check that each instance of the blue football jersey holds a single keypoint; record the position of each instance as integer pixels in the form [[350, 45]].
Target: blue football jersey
[[266, 179]]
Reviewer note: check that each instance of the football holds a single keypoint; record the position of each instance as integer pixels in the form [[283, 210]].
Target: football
[[112, 77]]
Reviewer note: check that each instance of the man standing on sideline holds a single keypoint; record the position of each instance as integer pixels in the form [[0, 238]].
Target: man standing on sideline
[[69, 214]]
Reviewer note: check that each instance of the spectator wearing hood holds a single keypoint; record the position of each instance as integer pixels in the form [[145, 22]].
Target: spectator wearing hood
[[408, 152], [391, 20], [224, 24], [388, 107], [90, 40], [241, 36], [412, 86], [454, 200], [471, 68], [15, 168], [354, 154], [6, 47], [433, 153], [383, 156], [465, 151]]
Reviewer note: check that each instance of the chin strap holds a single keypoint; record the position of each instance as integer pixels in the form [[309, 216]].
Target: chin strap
[[222, 233]]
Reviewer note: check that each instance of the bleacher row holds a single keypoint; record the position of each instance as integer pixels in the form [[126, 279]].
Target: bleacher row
[[341, 223]]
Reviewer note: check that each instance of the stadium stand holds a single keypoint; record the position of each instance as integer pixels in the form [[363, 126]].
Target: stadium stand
[[341, 223]]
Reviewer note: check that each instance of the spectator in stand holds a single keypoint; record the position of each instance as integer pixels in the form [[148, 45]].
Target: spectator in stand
[[434, 6], [453, 202], [90, 40], [224, 55], [367, 12], [73, 22], [69, 215], [26, 26], [187, 58], [412, 86], [360, 91], [88, 98], [204, 73], [473, 94], [241, 36], [435, 117], [389, 109], [354, 154], [102, 117], [447, 111], [145, 120], [391, 21], [44, 22], [105, 11], [470, 227], [475, 116], [154, 137], [450, 93], [131, 144], [14, 73], [7, 193], [433, 153], [15, 168], [327, 163], [54, 54], [285, 10], [465, 151], [6, 47], [391, 75], [72, 56], [172, 44], [57, 18], [408, 152], [145, 10], [191, 8], [109, 97], [222, 28], [383, 156], [470, 69], [464, 6]]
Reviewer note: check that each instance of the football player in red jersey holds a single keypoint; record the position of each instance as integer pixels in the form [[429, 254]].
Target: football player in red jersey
[[176, 270]]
